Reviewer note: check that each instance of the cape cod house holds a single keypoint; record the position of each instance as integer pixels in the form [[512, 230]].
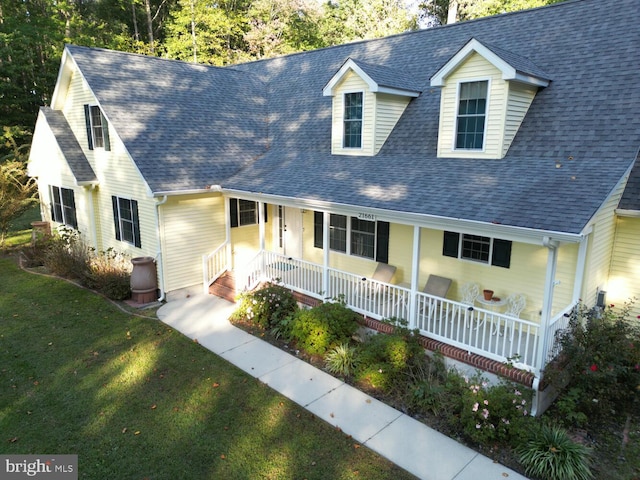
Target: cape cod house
[[404, 174]]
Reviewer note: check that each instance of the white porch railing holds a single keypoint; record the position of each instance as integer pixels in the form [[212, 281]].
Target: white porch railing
[[476, 330], [214, 265]]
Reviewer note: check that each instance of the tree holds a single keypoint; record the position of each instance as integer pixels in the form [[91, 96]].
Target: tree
[[441, 12]]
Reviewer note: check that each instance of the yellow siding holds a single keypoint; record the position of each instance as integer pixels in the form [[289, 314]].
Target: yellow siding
[[389, 109], [599, 254], [475, 68], [117, 175], [520, 98], [191, 226], [350, 84], [624, 278]]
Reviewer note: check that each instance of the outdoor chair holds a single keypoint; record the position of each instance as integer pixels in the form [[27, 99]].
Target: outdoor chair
[[438, 287], [516, 303], [469, 293], [370, 293]]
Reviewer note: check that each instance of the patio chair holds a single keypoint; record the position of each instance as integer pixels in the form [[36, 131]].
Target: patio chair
[[383, 273], [469, 292], [438, 287], [515, 305]]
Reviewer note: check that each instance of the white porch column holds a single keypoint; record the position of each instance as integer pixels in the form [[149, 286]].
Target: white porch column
[[415, 273], [326, 216], [580, 267], [227, 233], [547, 301], [261, 230]]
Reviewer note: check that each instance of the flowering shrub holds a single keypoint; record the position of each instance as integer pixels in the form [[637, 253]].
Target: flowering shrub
[[266, 307], [493, 413], [600, 361]]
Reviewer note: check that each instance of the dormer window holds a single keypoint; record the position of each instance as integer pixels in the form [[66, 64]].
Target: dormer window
[[353, 120], [472, 110]]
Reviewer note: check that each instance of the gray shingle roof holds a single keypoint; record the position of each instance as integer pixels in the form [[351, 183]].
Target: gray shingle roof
[[577, 140], [69, 146], [631, 198], [520, 63], [185, 125], [387, 77]]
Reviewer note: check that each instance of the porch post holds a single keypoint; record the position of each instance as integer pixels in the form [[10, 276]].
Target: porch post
[[325, 251], [547, 301], [415, 273], [582, 260], [261, 226], [227, 224]]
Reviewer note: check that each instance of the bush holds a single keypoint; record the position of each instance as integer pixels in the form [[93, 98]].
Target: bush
[[322, 327], [386, 361], [493, 412], [267, 307], [434, 388], [341, 360], [600, 362], [66, 255], [549, 454], [109, 272]]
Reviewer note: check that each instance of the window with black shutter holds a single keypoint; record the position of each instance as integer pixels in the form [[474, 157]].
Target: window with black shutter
[[126, 220], [245, 212], [493, 251], [63, 206]]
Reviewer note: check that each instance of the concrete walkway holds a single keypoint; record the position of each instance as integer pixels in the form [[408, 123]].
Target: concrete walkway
[[406, 442]]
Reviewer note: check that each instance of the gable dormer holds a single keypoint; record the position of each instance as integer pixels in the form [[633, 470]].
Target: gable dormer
[[486, 92], [368, 101]]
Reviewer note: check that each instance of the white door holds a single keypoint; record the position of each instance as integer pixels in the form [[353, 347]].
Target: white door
[[291, 225]]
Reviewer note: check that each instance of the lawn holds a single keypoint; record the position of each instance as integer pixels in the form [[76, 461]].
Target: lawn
[[135, 399]]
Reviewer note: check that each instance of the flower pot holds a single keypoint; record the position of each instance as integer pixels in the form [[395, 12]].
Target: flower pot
[[488, 294]]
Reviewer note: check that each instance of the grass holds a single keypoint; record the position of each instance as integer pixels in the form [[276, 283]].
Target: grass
[[20, 229], [135, 399]]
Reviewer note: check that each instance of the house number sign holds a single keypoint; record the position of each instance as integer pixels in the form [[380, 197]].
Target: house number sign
[[367, 216]]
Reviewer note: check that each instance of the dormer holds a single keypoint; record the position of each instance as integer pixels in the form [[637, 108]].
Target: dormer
[[368, 101], [486, 92]]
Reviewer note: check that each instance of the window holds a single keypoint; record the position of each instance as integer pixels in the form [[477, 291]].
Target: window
[[244, 212], [352, 120], [493, 251], [472, 108], [127, 224], [63, 206], [97, 128], [354, 236]]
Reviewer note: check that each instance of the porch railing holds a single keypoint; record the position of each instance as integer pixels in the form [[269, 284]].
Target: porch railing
[[214, 265], [476, 330]]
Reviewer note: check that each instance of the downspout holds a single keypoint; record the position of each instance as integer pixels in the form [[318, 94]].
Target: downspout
[[159, 259], [547, 306]]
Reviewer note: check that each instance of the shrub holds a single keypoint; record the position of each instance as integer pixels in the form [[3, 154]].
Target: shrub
[[549, 454], [434, 388], [341, 360], [493, 413], [322, 327], [386, 361], [600, 361], [66, 254], [109, 272], [266, 307]]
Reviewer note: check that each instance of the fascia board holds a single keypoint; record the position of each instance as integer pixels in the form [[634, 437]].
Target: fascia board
[[327, 91], [67, 65], [507, 232], [396, 91], [622, 212]]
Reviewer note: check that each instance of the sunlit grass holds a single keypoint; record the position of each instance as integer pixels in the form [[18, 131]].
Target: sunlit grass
[[135, 399]]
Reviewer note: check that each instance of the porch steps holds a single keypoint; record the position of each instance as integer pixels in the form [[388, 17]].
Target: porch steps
[[224, 287]]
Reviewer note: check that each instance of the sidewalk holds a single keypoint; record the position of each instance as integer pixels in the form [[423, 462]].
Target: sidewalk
[[406, 442]]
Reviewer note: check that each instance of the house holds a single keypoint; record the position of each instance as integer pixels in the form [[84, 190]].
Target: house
[[496, 154]]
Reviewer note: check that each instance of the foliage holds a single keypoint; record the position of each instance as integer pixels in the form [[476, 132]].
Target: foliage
[[341, 360], [600, 361], [16, 194], [266, 307], [66, 254], [319, 328], [549, 454], [109, 272], [491, 413], [386, 360]]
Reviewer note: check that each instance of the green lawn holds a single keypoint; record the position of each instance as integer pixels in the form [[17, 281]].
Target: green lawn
[[135, 399]]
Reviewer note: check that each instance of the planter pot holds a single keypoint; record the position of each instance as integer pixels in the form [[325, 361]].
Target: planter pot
[[144, 281], [488, 294], [39, 229]]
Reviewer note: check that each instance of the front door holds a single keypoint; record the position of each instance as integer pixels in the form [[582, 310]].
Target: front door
[[290, 231]]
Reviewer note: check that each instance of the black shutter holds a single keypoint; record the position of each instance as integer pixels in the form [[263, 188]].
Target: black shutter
[[266, 209], [318, 229], [116, 216], [105, 133], [501, 253], [136, 224], [382, 242], [72, 210], [87, 119], [450, 244], [233, 211]]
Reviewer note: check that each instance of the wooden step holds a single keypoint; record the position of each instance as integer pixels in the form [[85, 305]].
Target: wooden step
[[224, 287]]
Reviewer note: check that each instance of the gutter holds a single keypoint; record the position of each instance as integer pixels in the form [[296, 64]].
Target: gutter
[[159, 259]]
